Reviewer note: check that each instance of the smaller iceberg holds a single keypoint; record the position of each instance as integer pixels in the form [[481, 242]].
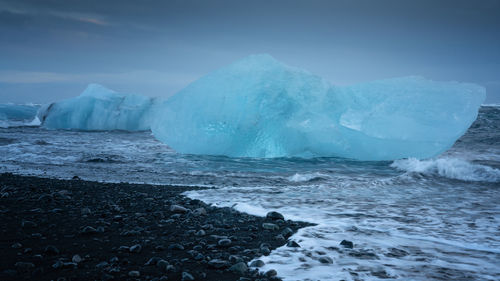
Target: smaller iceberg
[[99, 109], [18, 115]]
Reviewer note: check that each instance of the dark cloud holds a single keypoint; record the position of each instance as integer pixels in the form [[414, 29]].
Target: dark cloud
[[344, 41]]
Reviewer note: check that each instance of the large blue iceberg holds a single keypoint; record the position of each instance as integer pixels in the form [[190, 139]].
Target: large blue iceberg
[[259, 107], [99, 108]]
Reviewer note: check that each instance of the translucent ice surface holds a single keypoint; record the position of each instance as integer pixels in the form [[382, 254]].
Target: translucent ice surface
[[259, 107], [99, 108]]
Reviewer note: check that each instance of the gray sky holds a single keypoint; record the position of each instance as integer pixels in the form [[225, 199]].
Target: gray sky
[[52, 49]]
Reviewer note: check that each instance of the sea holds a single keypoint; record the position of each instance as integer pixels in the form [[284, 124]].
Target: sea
[[409, 219]]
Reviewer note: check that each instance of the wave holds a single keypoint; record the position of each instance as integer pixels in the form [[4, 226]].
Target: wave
[[306, 177], [452, 168]]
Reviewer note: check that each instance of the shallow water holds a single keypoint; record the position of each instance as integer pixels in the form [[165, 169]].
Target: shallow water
[[436, 219]]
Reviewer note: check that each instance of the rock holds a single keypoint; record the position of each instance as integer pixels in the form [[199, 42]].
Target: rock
[[136, 248], [292, 244], [199, 257], [347, 244], [178, 209], [187, 276], [287, 232], [224, 242], [265, 251], [280, 238], [152, 261], [134, 273], [16, 246], [102, 264], [51, 250], [270, 226], [88, 230], [257, 263], [162, 264], [218, 264], [271, 273], [200, 232], [113, 260], [239, 268], [200, 212], [325, 260], [28, 224], [24, 266], [85, 211], [275, 216], [76, 259], [176, 246]]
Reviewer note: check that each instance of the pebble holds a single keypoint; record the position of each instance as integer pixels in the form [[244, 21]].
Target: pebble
[[270, 226], [325, 260], [347, 244], [292, 244], [134, 273], [239, 268], [257, 263], [187, 276], [76, 259], [200, 212], [51, 250], [88, 230], [218, 264], [271, 273], [200, 232], [136, 248], [24, 266], [275, 216], [287, 232], [16, 245], [176, 246], [224, 242], [178, 209]]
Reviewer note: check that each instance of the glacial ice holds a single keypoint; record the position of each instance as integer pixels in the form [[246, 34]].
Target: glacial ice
[[99, 108], [259, 107]]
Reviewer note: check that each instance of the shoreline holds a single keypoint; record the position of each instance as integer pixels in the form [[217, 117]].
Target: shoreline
[[55, 229]]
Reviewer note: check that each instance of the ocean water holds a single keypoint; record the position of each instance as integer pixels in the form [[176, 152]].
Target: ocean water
[[435, 219]]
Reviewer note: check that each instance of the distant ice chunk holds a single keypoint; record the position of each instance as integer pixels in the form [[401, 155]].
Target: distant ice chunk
[[259, 107], [99, 108], [18, 115]]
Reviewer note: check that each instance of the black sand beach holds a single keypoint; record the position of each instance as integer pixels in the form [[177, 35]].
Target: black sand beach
[[78, 230]]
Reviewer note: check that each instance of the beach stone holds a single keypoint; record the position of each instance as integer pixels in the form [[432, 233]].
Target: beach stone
[[200, 232], [347, 244], [270, 226], [51, 250], [16, 246], [176, 246], [292, 244], [85, 211], [224, 242], [102, 264], [76, 259], [152, 261], [325, 260], [88, 230], [187, 276], [134, 273], [200, 212], [136, 248], [28, 224], [218, 264], [178, 209], [239, 268], [257, 263], [275, 216], [24, 266], [271, 273], [287, 232], [162, 264]]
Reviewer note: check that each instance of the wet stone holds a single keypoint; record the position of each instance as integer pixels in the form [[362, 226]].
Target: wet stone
[[275, 216], [270, 226], [239, 268], [257, 263], [347, 244], [292, 244], [134, 273], [51, 250], [186, 276], [136, 248], [325, 260]]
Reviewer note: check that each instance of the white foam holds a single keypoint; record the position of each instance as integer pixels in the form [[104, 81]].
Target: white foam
[[304, 177], [453, 168]]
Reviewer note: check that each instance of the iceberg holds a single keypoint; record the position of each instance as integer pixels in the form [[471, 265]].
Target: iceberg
[[259, 107], [18, 115], [100, 109]]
